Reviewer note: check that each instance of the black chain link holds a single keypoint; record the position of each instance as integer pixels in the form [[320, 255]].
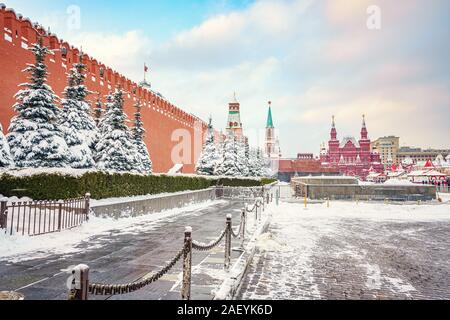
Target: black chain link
[[256, 205], [108, 290], [207, 247]]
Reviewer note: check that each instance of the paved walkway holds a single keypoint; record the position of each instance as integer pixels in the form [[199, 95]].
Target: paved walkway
[[312, 254], [125, 257]]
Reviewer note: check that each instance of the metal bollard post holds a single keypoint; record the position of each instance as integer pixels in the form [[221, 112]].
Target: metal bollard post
[[228, 243], [278, 197], [87, 205], [187, 265], [79, 283], [3, 205]]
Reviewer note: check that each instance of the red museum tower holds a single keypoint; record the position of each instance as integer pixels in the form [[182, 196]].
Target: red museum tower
[[349, 156]]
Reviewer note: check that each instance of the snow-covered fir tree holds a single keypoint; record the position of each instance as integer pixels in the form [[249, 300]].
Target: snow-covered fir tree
[[5, 155], [138, 139], [98, 110], [115, 149], [98, 117], [103, 125], [229, 164], [247, 150], [34, 137], [242, 160], [220, 151], [209, 159], [256, 165], [75, 121], [263, 169], [252, 163]]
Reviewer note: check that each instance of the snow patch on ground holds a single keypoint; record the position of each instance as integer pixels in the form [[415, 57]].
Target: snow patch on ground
[[398, 182], [445, 197], [373, 277], [267, 242], [400, 286], [374, 211]]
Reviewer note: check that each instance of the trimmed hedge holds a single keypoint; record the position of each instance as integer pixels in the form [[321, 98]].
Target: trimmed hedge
[[102, 185]]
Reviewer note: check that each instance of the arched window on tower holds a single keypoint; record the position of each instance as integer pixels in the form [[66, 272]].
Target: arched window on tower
[[64, 52]]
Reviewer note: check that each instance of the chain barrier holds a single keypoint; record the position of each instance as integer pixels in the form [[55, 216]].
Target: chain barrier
[[257, 205], [207, 247], [109, 290], [80, 287]]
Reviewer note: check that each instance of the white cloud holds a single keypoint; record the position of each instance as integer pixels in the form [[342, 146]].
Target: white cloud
[[126, 53], [312, 59], [230, 39]]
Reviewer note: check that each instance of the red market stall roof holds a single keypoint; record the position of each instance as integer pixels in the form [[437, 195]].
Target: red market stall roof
[[429, 164]]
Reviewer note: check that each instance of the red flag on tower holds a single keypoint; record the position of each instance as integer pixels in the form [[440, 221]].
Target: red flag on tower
[[145, 72]]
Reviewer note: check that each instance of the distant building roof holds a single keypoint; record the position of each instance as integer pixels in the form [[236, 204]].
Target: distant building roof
[[349, 139]]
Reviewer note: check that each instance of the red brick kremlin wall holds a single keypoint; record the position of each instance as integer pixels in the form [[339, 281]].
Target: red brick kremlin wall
[[160, 117]]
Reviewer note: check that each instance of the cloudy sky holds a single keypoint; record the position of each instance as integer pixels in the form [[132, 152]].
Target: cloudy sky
[[311, 58]]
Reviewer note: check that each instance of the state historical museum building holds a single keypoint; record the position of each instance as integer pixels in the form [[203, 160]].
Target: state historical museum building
[[349, 156]]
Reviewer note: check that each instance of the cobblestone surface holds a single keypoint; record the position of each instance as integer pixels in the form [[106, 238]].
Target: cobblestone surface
[[346, 258]]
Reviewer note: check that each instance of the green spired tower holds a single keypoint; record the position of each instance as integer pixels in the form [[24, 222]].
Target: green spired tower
[[272, 149]]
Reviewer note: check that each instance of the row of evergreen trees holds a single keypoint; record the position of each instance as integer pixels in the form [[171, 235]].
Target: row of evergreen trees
[[233, 158], [43, 135]]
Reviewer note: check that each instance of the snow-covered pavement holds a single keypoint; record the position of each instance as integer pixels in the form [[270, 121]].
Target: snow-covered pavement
[[353, 251], [119, 251], [17, 249]]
